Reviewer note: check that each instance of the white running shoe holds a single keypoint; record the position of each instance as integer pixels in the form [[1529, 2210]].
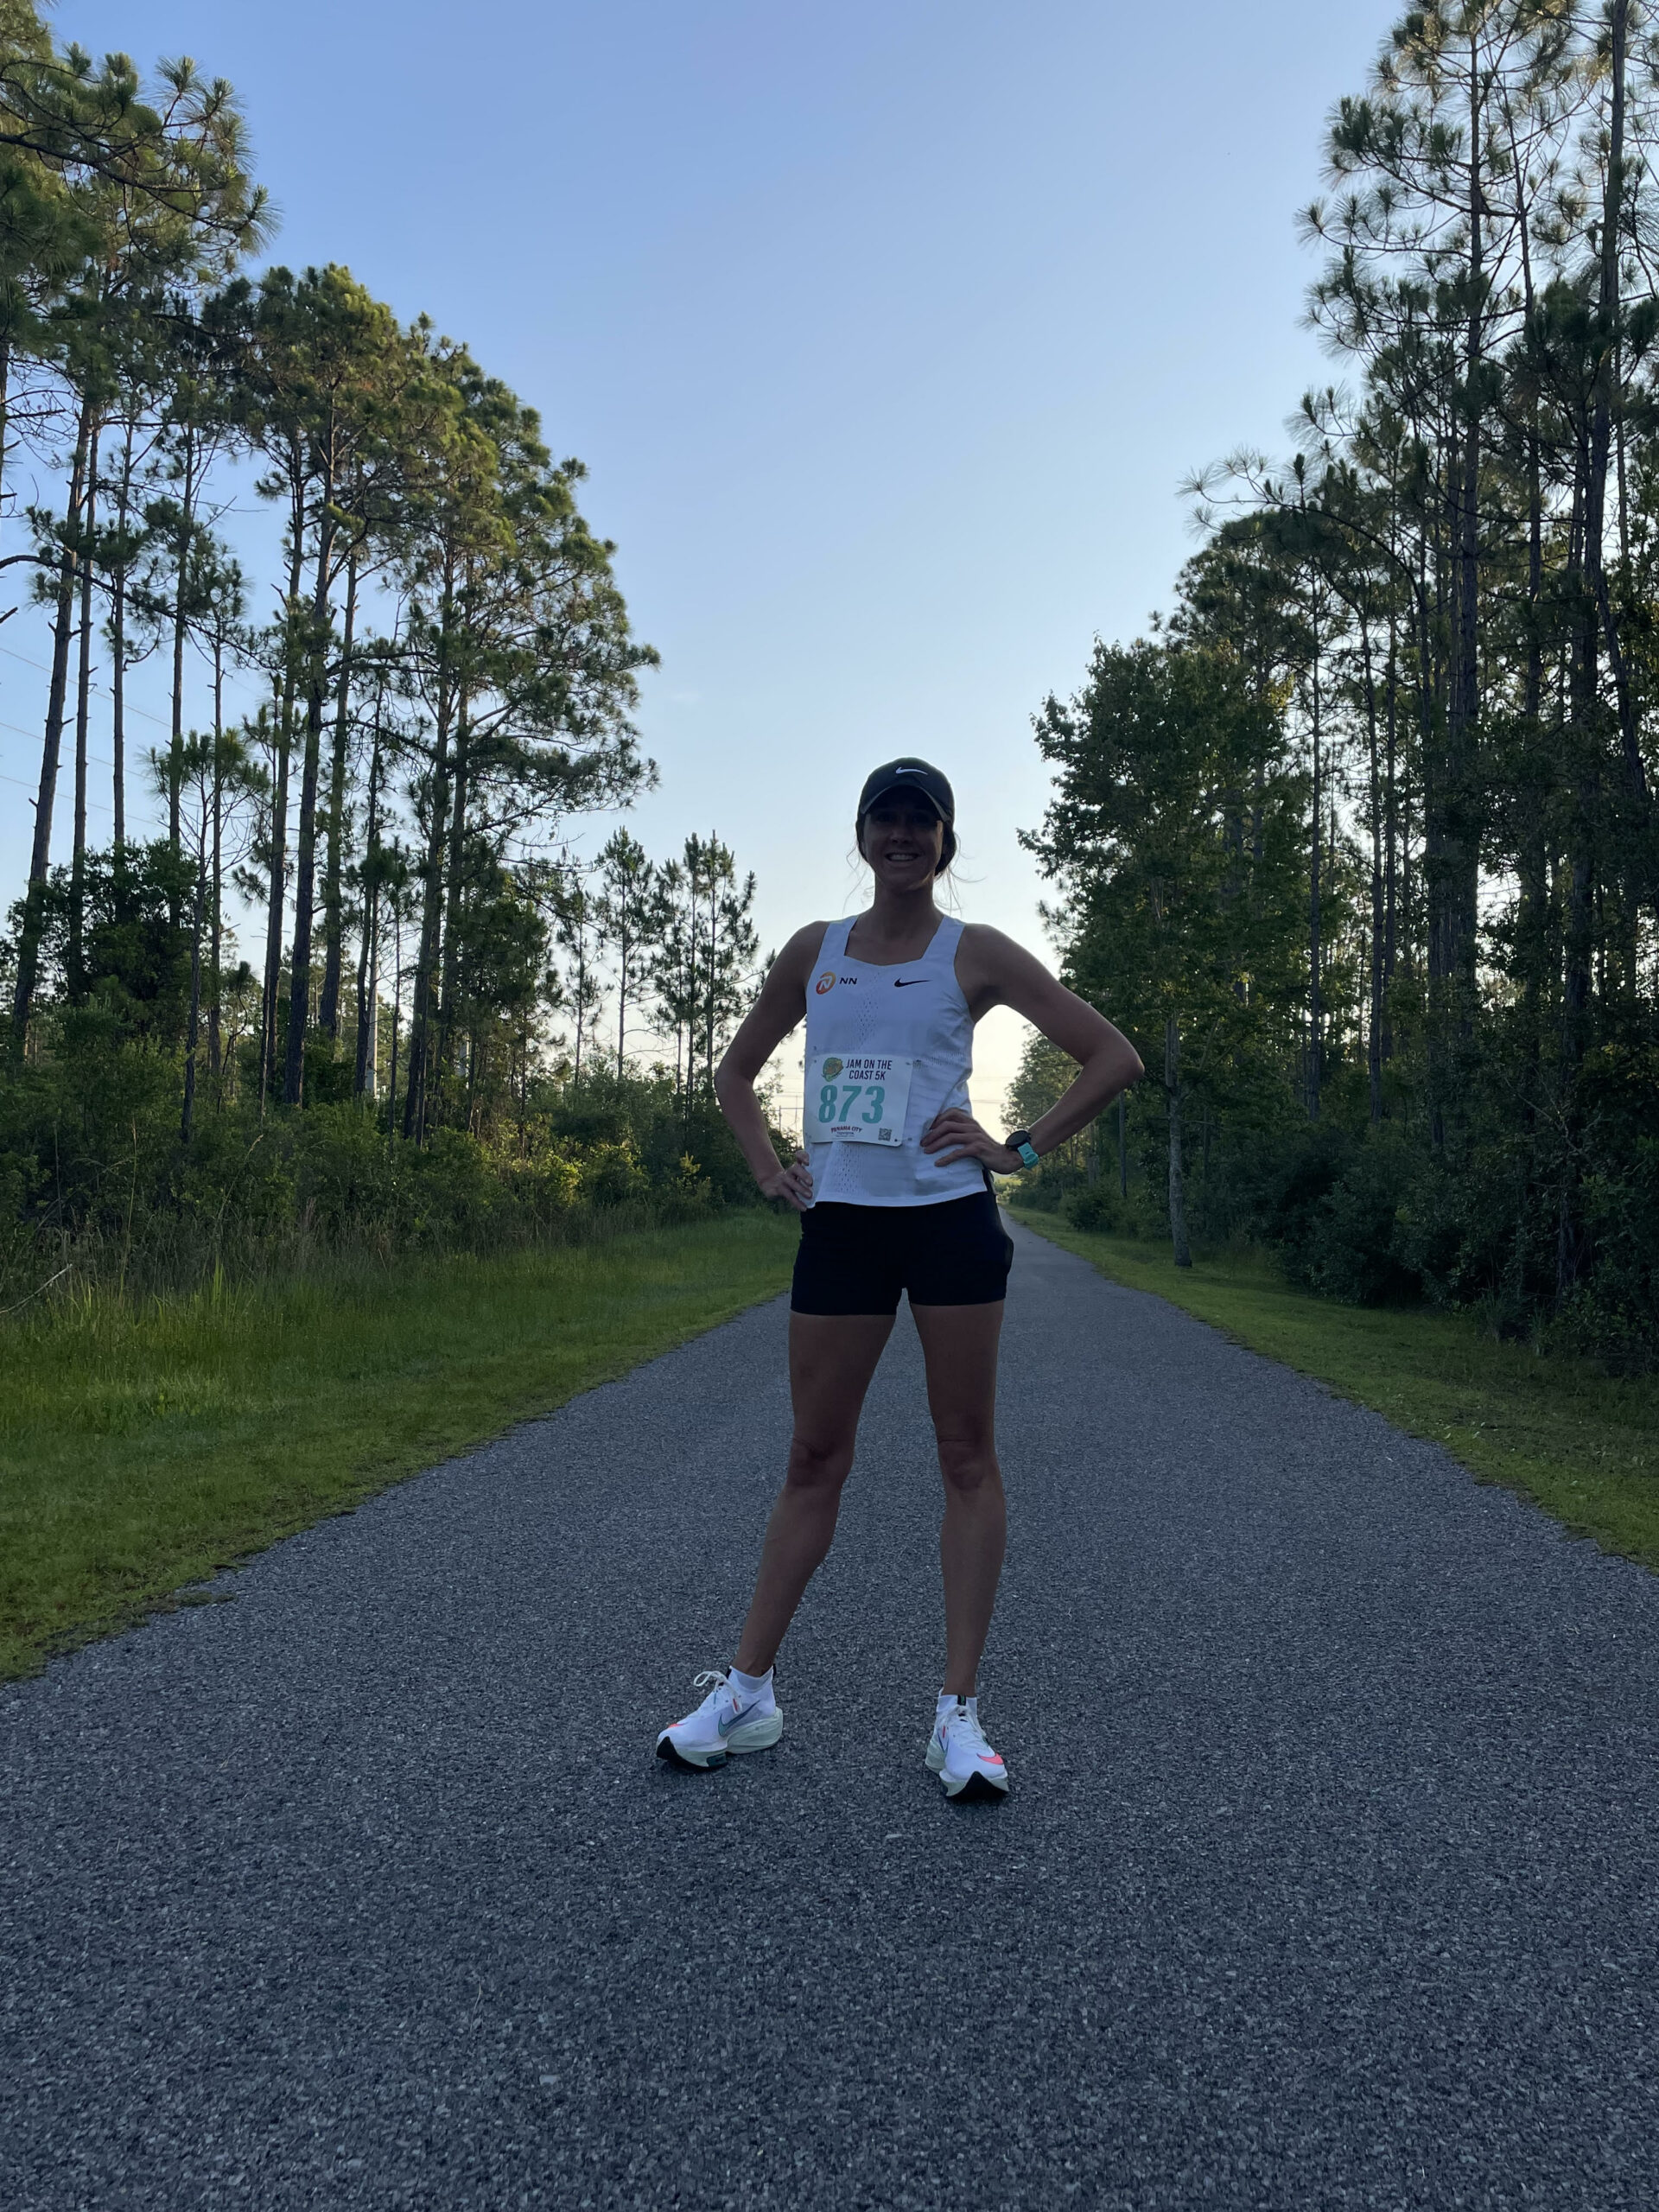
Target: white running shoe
[[958, 1754], [728, 1719]]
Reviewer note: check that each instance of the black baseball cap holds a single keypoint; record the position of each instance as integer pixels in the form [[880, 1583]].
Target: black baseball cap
[[910, 776]]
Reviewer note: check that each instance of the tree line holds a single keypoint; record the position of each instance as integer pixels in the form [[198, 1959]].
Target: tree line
[[1359, 844], [368, 892]]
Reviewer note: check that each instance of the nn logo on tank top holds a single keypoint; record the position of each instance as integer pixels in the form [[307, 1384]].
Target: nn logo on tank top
[[828, 980]]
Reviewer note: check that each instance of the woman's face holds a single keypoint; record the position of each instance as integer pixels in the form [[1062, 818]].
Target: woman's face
[[903, 841]]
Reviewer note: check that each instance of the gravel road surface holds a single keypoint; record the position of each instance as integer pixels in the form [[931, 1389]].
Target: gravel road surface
[[1328, 1877]]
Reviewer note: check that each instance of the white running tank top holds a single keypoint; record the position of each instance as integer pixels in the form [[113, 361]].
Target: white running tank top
[[915, 1010]]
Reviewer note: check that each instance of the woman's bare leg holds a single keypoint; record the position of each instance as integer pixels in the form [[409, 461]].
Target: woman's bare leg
[[959, 1344], [831, 1359]]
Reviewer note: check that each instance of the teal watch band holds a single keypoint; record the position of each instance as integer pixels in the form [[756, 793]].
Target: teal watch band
[[1019, 1141]]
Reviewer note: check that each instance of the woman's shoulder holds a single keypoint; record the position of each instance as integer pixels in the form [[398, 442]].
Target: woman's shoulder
[[989, 955], [810, 936], [801, 949], [981, 940]]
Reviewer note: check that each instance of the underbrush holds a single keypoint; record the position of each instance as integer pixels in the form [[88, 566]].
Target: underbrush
[[99, 1190], [1376, 1220]]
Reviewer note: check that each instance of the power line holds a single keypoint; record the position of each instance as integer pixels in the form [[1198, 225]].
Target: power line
[[97, 760], [93, 805], [99, 690]]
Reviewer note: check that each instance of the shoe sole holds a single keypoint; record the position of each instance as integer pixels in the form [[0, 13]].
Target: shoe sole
[[978, 1786], [975, 1786], [752, 1736]]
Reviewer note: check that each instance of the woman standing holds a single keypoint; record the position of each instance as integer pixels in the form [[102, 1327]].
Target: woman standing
[[895, 1194]]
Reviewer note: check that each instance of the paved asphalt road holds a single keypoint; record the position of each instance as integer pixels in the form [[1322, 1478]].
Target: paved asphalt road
[[1328, 1879]]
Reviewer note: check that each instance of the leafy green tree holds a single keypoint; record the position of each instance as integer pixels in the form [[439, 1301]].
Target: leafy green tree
[[1178, 929], [1441, 603]]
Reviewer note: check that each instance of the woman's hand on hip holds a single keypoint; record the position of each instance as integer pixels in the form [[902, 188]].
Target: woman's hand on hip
[[955, 1134], [792, 1183]]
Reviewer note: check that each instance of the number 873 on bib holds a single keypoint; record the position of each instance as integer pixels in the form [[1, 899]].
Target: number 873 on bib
[[858, 1099]]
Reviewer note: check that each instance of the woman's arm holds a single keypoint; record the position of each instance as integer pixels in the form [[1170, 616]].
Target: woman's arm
[[781, 1004], [996, 971]]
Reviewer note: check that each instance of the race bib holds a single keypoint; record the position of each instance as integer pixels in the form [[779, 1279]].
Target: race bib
[[857, 1100]]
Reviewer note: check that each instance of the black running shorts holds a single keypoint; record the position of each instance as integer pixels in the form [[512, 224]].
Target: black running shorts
[[857, 1259]]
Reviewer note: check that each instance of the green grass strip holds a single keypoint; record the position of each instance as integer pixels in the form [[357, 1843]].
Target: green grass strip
[[145, 1445], [1580, 1444]]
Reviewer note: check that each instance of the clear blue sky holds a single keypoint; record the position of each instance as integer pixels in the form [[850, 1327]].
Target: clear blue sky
[[888, 330]]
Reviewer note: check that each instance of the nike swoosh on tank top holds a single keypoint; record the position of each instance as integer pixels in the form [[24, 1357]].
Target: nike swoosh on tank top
[[916, 1012]]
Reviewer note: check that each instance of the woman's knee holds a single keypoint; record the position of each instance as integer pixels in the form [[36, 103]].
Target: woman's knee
[[969, 1462], [818, 1462]]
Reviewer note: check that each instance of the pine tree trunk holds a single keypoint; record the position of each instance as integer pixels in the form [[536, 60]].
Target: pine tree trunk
[[1177, 1189], [329, 1010], [1374, 1040], [305, 850], [1437, 862], [422, 1016], [5, 408], [216, 911], [1533, 920], [278, 898], [368, 977], [118, 662], [1460, 863], [449, 986], [1533, 915], [396, 1012], [1390, 836], [1593, 614], [581, 990], [77, 980], [181, 571], [1314, 1012], [34, 919], [273, 983], [363, 1066], [1607, 404], [186, 1118]]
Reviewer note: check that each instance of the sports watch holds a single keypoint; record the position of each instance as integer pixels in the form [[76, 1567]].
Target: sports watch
[[1019, 1141]]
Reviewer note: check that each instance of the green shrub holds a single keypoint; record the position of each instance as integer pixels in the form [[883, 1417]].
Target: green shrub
[[1346, 1241], [93, 1171], [1045, 1189], [611, 1174], [1096, 1207]]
